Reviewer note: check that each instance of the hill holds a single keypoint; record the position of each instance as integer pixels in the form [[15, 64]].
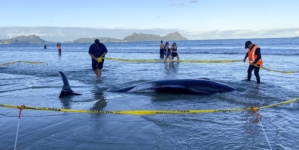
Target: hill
[[91, 40], [150, 37], [31, 39], [135, 37]]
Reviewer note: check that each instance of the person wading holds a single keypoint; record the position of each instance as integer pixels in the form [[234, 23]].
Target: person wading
[[162, 50], [255, 60], [97, 52]]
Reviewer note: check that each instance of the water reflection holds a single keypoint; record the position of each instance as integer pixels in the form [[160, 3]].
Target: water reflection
[[101, 102], [65, 103], [171, 68], [98, 96]]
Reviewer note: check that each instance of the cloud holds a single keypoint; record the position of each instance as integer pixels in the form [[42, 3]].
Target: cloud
[[241, 34], [178, 4], [184, 3], [11, 35], [193, 1], [61, 34]]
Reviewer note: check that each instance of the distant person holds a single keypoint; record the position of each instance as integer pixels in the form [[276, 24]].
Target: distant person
[[162, 50], [167, 52], [59, 47], [255, 60], [174, 52], [97, 52], [45, 46]]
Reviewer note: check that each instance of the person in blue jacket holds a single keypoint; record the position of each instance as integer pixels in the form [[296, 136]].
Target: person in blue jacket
[[97, 52]]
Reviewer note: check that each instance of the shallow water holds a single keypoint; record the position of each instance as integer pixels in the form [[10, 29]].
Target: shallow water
[[39, 85]]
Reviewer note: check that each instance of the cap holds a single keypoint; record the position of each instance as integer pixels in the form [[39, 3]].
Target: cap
[[97, 41], [247, 44]]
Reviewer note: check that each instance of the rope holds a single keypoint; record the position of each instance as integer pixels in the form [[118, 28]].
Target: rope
[[265, 133], [285, 72], [20, 112], [25, 62], [254, 109]]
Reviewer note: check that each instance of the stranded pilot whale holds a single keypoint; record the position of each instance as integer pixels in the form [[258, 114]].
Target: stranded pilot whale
[[66, 89], [187, 86]]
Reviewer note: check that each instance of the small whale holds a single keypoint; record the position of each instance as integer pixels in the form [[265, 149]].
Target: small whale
[[66, 89]]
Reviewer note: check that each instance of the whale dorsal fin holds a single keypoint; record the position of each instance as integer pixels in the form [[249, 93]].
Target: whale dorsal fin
[[66, 89]]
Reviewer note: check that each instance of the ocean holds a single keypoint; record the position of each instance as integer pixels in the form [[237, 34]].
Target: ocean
[[39, 84]]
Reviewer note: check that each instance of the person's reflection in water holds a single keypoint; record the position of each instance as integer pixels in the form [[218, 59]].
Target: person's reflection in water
[[101, 103], [171, 68], [101, 100]]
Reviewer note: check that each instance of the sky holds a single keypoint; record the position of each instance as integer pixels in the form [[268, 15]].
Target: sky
[[194, 19]]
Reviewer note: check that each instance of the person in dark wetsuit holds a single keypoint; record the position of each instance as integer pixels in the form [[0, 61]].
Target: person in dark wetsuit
[[97, 52], [45, 46], [162, 50], [174, 53], [255, 60]]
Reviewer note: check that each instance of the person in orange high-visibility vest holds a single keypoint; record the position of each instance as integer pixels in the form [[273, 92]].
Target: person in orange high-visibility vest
[[59, 47], [255, 60]]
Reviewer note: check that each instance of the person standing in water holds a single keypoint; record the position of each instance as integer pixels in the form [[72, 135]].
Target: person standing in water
[[59, 47], [174, 53], [97, 52], [45, 46], [162, 50], [167, 52], [255, 60]]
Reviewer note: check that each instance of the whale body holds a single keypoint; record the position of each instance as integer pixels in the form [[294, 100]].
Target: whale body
[[189, 86], [175, 86]]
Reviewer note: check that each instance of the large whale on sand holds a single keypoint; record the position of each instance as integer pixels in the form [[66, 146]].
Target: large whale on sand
[[175, 86], [188, 86]]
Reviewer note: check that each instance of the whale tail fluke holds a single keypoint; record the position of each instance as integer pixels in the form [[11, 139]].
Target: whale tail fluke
[[66, 89]]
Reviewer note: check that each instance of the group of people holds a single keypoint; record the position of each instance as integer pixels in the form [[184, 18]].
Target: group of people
[[58, 47], [97, 52], [168, 53]]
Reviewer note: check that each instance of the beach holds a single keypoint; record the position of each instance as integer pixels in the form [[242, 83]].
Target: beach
[[39, 85]]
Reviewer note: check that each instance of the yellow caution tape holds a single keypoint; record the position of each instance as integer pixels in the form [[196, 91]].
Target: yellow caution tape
[[9, 63], [286, 72], [146, 112], [159, 60], [281, 103], [25, 62]]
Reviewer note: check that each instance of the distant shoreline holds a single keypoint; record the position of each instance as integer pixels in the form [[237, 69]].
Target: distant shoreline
[[71, 42]]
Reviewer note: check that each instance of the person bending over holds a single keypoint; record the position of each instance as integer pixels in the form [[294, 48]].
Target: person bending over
[[97, 52]]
